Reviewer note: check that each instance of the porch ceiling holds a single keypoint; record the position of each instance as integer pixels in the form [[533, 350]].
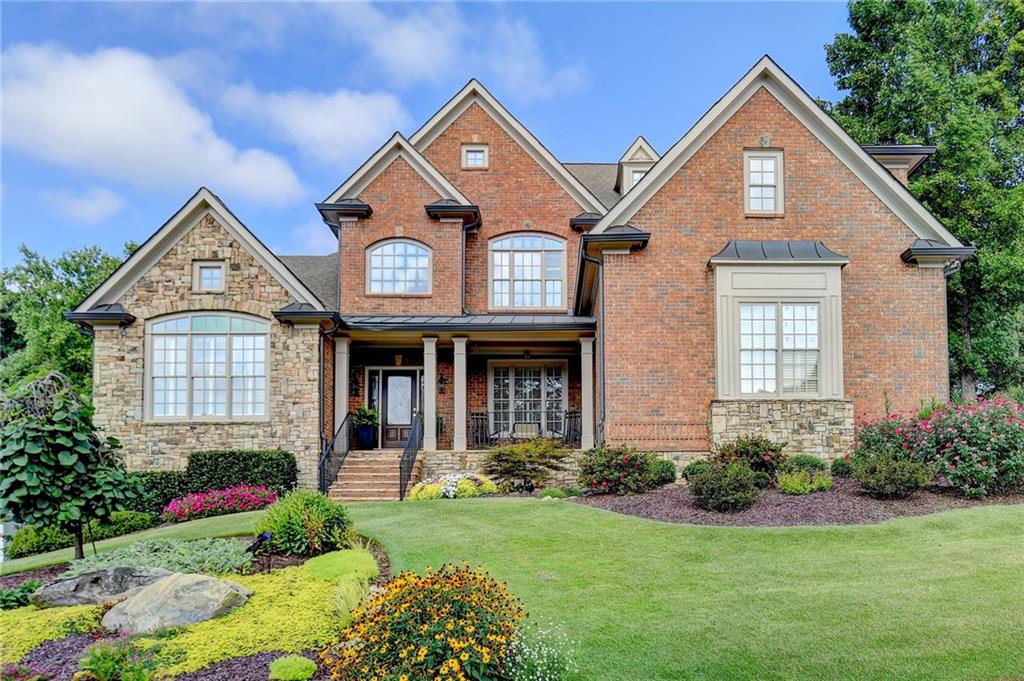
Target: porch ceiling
[[480, 326]]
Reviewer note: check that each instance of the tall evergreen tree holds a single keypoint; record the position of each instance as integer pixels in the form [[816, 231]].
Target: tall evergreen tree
[[951, 73]]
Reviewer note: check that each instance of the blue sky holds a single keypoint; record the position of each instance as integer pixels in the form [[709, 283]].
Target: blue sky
[[114, 114]]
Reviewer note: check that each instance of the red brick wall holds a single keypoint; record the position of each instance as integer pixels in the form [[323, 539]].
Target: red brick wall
[[398, 196], [514, 194], [659, 312]]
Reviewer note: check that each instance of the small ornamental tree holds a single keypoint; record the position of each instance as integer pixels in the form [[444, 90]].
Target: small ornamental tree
[[54, 468]]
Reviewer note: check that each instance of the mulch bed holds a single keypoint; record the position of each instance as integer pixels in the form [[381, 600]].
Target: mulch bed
[[43, 574], [844, 504], [59, 658]]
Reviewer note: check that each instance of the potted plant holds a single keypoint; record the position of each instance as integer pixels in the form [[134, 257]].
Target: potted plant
[[365, 422]]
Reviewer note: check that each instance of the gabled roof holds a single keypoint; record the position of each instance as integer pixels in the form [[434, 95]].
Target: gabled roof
[[319, 273], [640, 151], [599, 179], [203, 202], [397, 146], [475, 92], [767, 74]]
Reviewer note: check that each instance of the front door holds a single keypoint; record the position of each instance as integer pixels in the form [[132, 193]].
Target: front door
[[399, 402]]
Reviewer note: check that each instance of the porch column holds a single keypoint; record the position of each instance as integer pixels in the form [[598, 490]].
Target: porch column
[[459, 437], [340, 383], [429, 393], [587, 390]]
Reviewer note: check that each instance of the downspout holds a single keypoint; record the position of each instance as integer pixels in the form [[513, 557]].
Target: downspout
[[600, 283]]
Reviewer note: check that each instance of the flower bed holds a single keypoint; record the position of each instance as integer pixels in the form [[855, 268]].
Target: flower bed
[[219, 502], [453, 486]]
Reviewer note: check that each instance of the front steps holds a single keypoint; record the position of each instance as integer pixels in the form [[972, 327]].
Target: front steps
[[372, 475]]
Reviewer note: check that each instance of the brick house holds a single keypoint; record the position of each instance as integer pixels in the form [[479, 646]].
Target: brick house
[[765, 274]]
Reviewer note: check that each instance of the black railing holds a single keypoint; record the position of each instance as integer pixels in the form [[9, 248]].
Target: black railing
[[490, 429], [408, 462], [334, 453]]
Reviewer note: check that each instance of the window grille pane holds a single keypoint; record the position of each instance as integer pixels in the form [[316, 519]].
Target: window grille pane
[[211, 277], [527, 271], [553, 391], [399, 267], [170, 375], [500, 418], [757, 349], [209, 324], [209, 375], [800, 371]]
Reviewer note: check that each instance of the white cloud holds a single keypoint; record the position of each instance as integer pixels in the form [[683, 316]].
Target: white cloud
[[310, 238], [95, 205], [329, 128], [515, 57], [117, 113]]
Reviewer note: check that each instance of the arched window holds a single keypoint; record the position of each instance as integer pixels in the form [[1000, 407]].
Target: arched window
[[527, 271], [398, 266], [207, 365]]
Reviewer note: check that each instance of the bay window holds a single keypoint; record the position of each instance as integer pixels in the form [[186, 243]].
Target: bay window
[[207, 366]]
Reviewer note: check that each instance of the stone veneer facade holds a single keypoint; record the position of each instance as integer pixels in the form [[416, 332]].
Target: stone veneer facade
[[119, 373], [820, 427]]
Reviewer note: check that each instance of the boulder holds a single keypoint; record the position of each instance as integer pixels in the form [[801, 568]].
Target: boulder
[[96, 588], [173, 601]]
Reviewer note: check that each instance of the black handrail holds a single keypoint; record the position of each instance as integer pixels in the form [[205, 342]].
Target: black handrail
[[332, 457], [489, 429], [408, 462], [573, 429]]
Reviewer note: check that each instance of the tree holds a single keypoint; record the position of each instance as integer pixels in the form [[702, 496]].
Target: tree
[[951, 73], [34, 295], [54, 468]]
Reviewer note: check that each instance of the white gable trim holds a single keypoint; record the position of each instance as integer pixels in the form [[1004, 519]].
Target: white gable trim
[[202, 203], [767, 74], [475, 92], [640, 146], [397, 146]]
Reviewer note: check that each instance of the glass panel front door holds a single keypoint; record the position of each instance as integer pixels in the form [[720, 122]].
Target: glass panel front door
[[399, 402]]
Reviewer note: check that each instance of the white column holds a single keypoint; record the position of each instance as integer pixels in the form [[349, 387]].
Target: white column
[[587, 390], [459, 437], [340, 383], [429, 394]]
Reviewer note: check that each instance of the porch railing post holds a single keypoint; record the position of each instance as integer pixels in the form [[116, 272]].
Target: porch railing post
[[459, 433]]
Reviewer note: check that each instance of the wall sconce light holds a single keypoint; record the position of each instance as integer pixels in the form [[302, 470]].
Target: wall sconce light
[[353, 385], [441, 383]]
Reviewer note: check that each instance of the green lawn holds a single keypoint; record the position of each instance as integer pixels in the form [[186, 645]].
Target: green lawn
[[935, 597], [221, 526]]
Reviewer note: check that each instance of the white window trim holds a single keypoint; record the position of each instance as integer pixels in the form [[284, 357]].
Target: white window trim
[[556, 363], [197, 286], [778, 349], [466, 148], [779, 283], [634, 180], [189, 418], [417, 294], [543, 294], [780, 189]]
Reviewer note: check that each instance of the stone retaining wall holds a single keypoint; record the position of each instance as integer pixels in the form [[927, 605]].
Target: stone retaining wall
[[823, 428]]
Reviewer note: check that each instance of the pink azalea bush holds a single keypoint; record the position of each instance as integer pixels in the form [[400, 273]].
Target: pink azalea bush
[[978, 448], [218, 502]]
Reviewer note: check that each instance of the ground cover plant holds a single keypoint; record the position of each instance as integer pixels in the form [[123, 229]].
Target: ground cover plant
[[116, 660], [18, 596], [525, 466], [453, 486], [207, 556], [884, 593], [292, 668], [10, 671], [22, 629], [236, 499], [801, 481]]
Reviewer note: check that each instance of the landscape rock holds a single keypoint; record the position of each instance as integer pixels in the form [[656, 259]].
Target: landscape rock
[[96, 588], [175, 600]]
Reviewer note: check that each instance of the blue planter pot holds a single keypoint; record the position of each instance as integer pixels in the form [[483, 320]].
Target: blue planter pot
[[366, 437]]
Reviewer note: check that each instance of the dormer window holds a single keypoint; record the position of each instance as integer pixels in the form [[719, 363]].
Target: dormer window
[[637, 176], [474, 156], [763, 181], [208, 276]]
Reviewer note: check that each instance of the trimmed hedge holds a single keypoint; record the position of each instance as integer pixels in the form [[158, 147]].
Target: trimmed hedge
[[30, 540], [223, 468], [159, 488]]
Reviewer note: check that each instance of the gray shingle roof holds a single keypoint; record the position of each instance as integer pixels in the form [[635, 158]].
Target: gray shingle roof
[[778, 251], [319, 273], [599, 178]]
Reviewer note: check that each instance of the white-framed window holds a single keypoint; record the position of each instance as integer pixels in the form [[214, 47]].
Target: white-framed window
[[208, 276], [763, 181], [398, 266], [765, 345], [637, 176], [475, 156], [527, 271], [207, 365], [528, 397]]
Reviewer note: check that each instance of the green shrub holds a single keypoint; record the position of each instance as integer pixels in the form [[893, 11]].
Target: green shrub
[[552, 492], [116, 660], [660, 472], [474, 486], [220, 469], [799, 482], [525, 466], [803, 462], [724, 487], [304, 524], [694, 467], [615, 470], [158, 489], [755, 451], [207, 556], [30, 540], [292, 668], [886, 474], [18, 596], [425, 491], [841, 468]]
